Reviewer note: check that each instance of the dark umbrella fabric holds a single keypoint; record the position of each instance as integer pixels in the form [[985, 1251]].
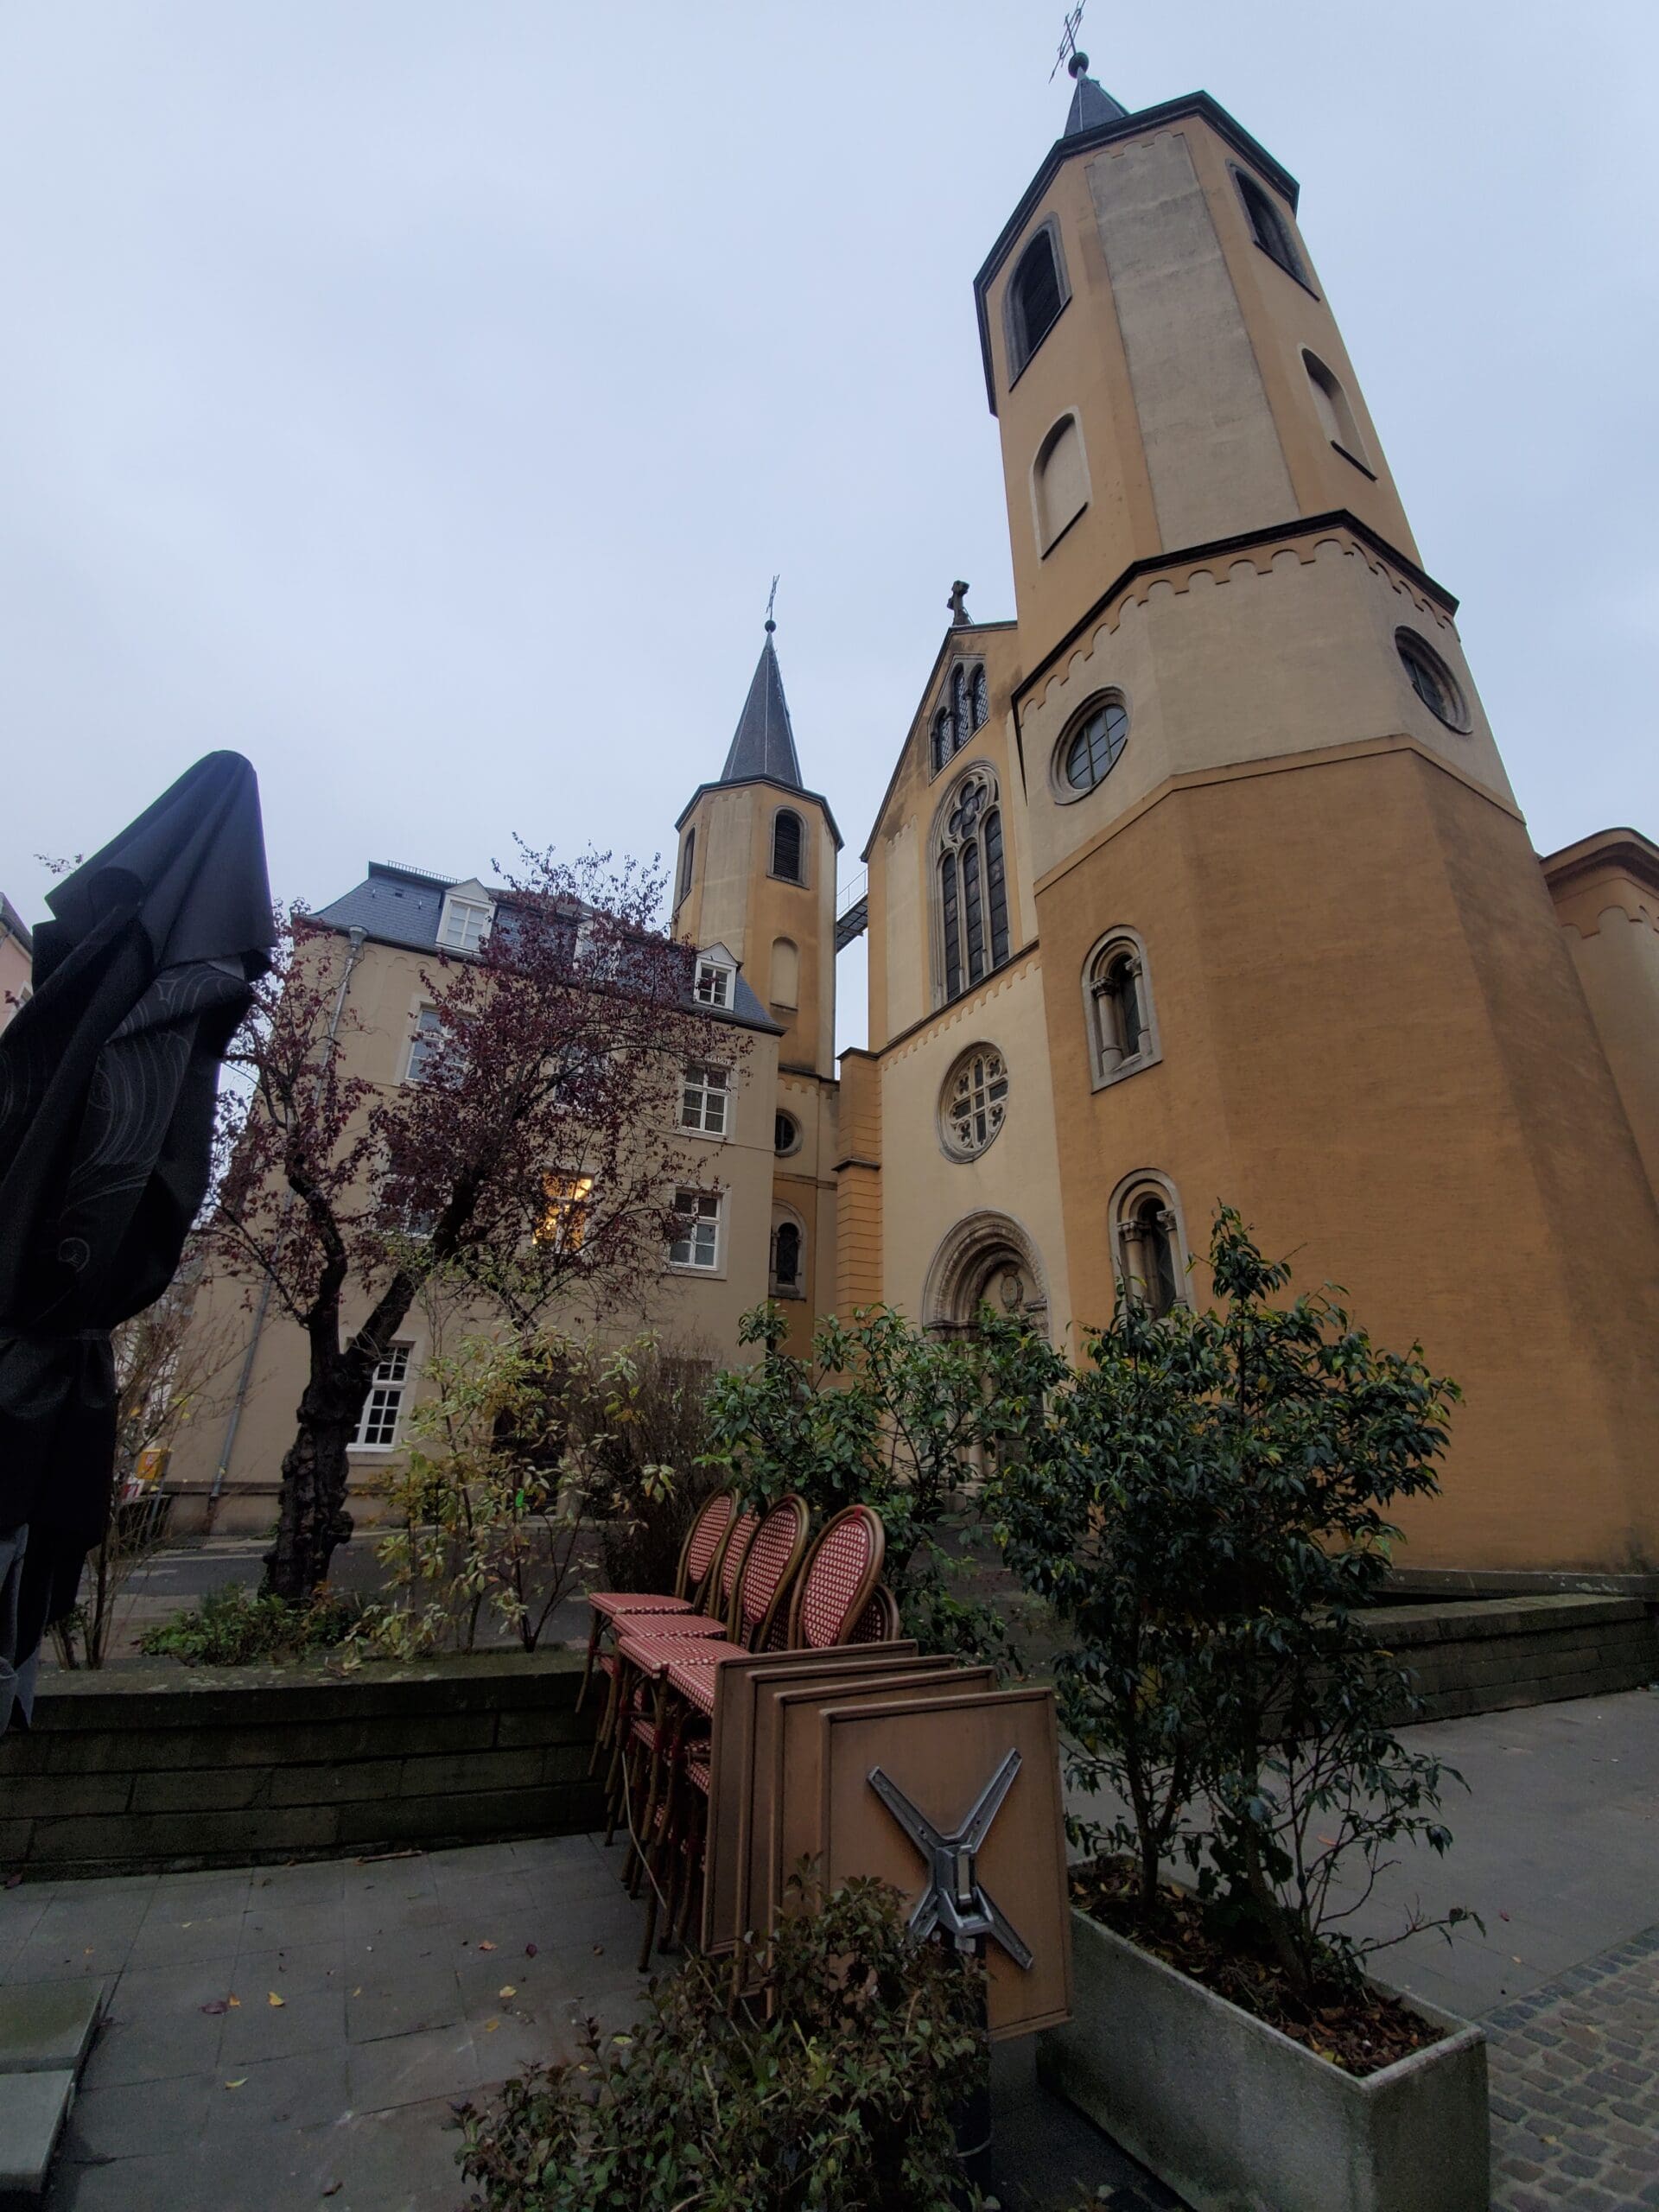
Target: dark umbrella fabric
[[108, 1076]]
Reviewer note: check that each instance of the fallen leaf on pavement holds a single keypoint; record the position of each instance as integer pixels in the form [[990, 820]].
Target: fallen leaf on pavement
[[358, 1992], [1501, 1914], [238, 2083], [506, 1990], [218, 2006], [234, 2002], [333, 2189], [530, 1951], [12, 1881], [490, 2026], [486, 1947], [274, 2000], [599, 1950]]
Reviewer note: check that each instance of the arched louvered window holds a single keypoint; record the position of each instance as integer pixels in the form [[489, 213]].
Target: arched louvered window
[[972, 885], [1037, 292], [1269, 227], [788, 845]]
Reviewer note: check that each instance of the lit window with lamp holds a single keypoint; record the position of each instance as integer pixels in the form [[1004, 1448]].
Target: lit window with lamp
[[566, 1205]]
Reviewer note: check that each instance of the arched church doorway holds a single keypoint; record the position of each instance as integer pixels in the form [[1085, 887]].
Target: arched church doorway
[[986, 1260]]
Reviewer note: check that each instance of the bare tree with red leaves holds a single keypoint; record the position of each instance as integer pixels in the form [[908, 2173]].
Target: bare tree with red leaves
[[535, 1157]]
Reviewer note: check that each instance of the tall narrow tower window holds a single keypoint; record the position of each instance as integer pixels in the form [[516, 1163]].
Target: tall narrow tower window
[[973, 886], [787, 845], [1036, 291], [1336, 416], [687, 860], [1060, 481], [1269, 227]]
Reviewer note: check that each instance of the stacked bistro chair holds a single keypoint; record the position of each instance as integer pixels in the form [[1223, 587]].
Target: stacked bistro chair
[[711, 1525], [771, 1556], [718, 1593], [837, 1598]]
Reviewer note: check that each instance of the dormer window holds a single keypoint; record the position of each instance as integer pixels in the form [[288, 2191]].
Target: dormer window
[[714, 982], [465, 922]]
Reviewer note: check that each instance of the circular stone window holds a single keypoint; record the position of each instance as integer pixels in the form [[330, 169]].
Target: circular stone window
[[1094, 746], [786, 1135], [975, 1102], [1432, 680]]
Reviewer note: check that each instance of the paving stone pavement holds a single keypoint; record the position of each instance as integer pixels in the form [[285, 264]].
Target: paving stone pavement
[[408, 1984], [1575, 2087]]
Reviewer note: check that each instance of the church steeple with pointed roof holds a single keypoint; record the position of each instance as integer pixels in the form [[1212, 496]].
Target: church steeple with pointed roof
[[1091, 103], [764, 742]]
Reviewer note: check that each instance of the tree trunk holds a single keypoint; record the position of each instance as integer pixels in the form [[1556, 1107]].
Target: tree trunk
[[312, 1519]]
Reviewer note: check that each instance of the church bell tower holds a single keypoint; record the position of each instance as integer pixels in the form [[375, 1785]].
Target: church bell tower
[[1256, 770]]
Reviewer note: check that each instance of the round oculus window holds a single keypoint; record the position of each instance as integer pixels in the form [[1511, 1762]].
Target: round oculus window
[[786, 1135], [975, 1103], [1431, 680], [1096, 746]]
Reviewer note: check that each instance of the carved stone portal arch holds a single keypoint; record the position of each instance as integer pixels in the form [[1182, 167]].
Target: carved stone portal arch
[[987, 1259]]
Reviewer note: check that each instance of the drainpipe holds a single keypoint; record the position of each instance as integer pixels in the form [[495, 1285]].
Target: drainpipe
[[245, 1380]]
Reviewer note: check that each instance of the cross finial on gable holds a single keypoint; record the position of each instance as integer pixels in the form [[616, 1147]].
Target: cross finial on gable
[[955, 603]]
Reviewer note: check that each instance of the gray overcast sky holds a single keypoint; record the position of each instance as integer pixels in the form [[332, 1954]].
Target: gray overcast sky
[[417, 395]]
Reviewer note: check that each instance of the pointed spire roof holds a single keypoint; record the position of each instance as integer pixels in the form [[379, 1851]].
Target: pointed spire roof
[[764, 743], [1091, 103]]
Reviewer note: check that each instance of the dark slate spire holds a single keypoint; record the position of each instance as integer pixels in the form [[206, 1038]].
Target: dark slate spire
[[1091, 103], [764, 743]]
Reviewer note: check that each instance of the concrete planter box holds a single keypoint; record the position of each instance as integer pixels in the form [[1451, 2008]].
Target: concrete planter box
[[1236, 2117]]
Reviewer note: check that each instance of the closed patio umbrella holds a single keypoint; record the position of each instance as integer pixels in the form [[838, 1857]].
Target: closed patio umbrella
[[108, 1076]]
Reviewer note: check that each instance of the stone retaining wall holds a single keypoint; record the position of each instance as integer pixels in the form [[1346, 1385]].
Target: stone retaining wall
[[1491, 1653], [126, 1771]]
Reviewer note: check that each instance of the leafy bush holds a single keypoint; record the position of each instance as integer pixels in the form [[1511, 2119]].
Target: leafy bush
[[907, 1423], [637, 1429], [487, 1521], [237, 1627], [840, 2101], [1205, 1507]]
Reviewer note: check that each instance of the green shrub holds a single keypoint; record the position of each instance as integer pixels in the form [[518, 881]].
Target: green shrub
[[1206, 1506], [840, 2101], [238, 1627]]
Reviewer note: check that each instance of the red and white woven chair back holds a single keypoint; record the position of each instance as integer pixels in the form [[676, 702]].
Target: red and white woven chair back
[[878, 1622], [841, 1571], [732, 1558], [773, 1556], [702, 1542]]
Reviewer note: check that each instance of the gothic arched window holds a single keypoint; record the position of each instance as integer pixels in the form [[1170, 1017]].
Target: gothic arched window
[[787, 845], [972, 885], [688, 860], [1269, 227], [966, 709]]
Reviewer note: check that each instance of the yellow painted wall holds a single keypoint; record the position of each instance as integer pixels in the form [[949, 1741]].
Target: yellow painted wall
[[1605, 891]]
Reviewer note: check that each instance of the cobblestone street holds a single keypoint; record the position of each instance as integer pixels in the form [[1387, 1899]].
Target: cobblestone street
[[1574, 2072]]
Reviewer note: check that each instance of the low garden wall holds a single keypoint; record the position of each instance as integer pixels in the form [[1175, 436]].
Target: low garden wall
[[1491, 1653], [124, 1771]]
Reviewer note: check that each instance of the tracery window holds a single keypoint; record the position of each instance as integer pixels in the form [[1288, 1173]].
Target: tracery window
[[975, 1102], [965, 710], [972, 885]]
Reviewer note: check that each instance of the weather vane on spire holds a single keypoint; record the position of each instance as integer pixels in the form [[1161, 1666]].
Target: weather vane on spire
[[772, 597], [1069, 40]]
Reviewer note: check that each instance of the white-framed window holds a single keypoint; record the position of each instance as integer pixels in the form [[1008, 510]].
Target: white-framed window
[[377, 1424], [705, 1098], [465, 923], [424, 1045], [714, 983], [696, 1239]]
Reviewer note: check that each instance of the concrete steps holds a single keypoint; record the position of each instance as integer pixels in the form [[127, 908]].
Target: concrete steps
[[46, 2031]]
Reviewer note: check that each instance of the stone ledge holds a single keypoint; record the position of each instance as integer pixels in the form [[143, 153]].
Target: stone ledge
[[124, 1773]]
